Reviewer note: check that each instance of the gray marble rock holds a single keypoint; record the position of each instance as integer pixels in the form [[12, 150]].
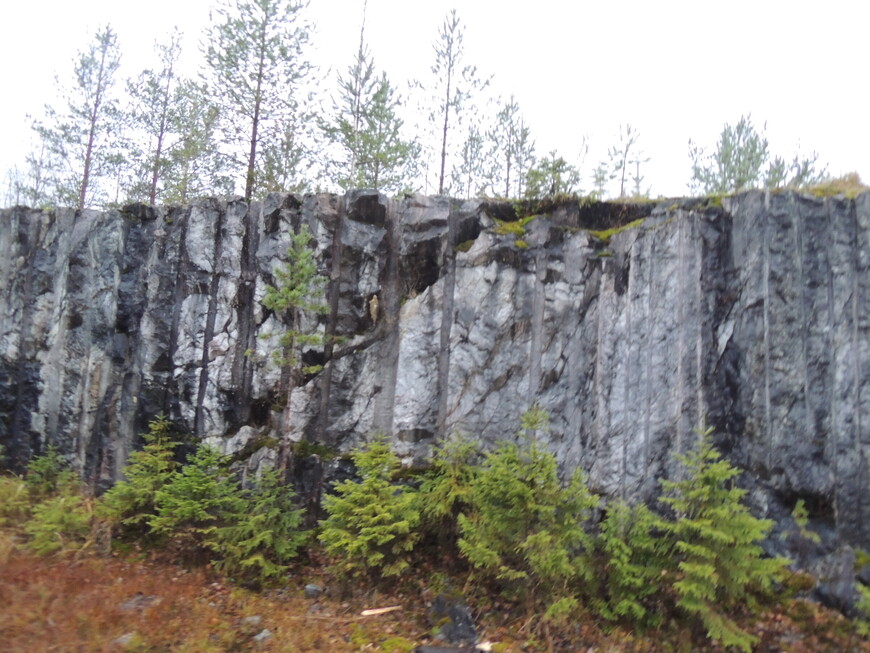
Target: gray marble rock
[[753, 317]]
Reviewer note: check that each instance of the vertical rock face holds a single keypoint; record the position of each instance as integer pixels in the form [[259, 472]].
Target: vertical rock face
[[753, 317]]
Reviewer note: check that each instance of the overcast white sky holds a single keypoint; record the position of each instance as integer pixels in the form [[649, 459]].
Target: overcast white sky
[[673, 69]]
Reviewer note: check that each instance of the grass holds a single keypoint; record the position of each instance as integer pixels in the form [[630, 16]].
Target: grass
[[849, 185]]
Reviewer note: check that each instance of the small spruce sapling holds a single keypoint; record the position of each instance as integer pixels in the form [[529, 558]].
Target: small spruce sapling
[[372, 524], [632, 553], [62, 523], [716, 541], [446, 490], [133, 501], [197, 500], [524, 529], [260, 542], [46, 473]]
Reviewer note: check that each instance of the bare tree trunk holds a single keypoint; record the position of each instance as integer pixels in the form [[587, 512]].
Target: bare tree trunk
[[98, 100], [164, 110], [255, 123]]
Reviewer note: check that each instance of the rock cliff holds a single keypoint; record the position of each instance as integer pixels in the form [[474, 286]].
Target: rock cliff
[[752, 315]]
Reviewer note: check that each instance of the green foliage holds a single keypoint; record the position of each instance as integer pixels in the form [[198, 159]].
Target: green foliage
[[197, 500], [445, 491], [372, 523], [14, 501], [133, 501], [255, 69], [512, 151], [61, 523], [46, 473], [299, 288], [524, 529], [259, 542], [606, 234], [77, 145], [632, 553], [739, 161], [863, 605], [368, 130], [716, 541], [453, 86], [551, 176]]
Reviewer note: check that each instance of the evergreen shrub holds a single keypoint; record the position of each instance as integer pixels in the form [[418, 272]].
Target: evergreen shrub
[[132, 502], [372, 524], [257, 544], [197, 500], [633, 553], [61, 523], [525, 530], [716, 539]]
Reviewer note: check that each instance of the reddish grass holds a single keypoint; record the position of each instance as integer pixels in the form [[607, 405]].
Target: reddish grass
[[82, 605]]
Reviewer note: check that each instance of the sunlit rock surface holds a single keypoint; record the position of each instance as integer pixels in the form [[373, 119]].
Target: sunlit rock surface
[[752, 317]]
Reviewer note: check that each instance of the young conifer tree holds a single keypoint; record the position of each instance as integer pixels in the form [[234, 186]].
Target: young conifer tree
[[633, 554], [197, 500], [132, 502], [259, 543], [371, 527], [255, 69], [525, 528], [717, 543], [296, 297]]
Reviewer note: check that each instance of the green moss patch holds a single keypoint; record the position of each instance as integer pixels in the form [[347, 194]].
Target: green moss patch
[[606, 234]]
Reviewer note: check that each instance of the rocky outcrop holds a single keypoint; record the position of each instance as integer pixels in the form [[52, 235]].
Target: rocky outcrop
[[752, 316]]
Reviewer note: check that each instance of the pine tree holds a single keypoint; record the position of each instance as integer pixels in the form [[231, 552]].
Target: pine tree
[[470, 175], [619, 155], [371, 524], [296, 297], [739, 162], [454, 85], [195, 166], [78, 138], [151, 113], [717, 541], [512, 150], [255, 69], [367, 129], [551, 176]]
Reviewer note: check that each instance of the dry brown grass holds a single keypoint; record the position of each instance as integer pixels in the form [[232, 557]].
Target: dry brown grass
[[60, 604], [52, 604]]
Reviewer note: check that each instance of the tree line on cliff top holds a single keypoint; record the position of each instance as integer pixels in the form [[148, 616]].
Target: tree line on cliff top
[[259, 117]]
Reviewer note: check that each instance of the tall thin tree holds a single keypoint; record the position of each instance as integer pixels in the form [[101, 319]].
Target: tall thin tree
[[77, 136], [151, 110], [454, 83], [255, 63]]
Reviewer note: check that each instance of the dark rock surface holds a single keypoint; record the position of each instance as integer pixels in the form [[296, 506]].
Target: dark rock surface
[[452, 621], [753, 316]]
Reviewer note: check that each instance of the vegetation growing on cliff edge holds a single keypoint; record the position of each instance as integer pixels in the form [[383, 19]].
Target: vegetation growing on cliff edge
[[504, 524]]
